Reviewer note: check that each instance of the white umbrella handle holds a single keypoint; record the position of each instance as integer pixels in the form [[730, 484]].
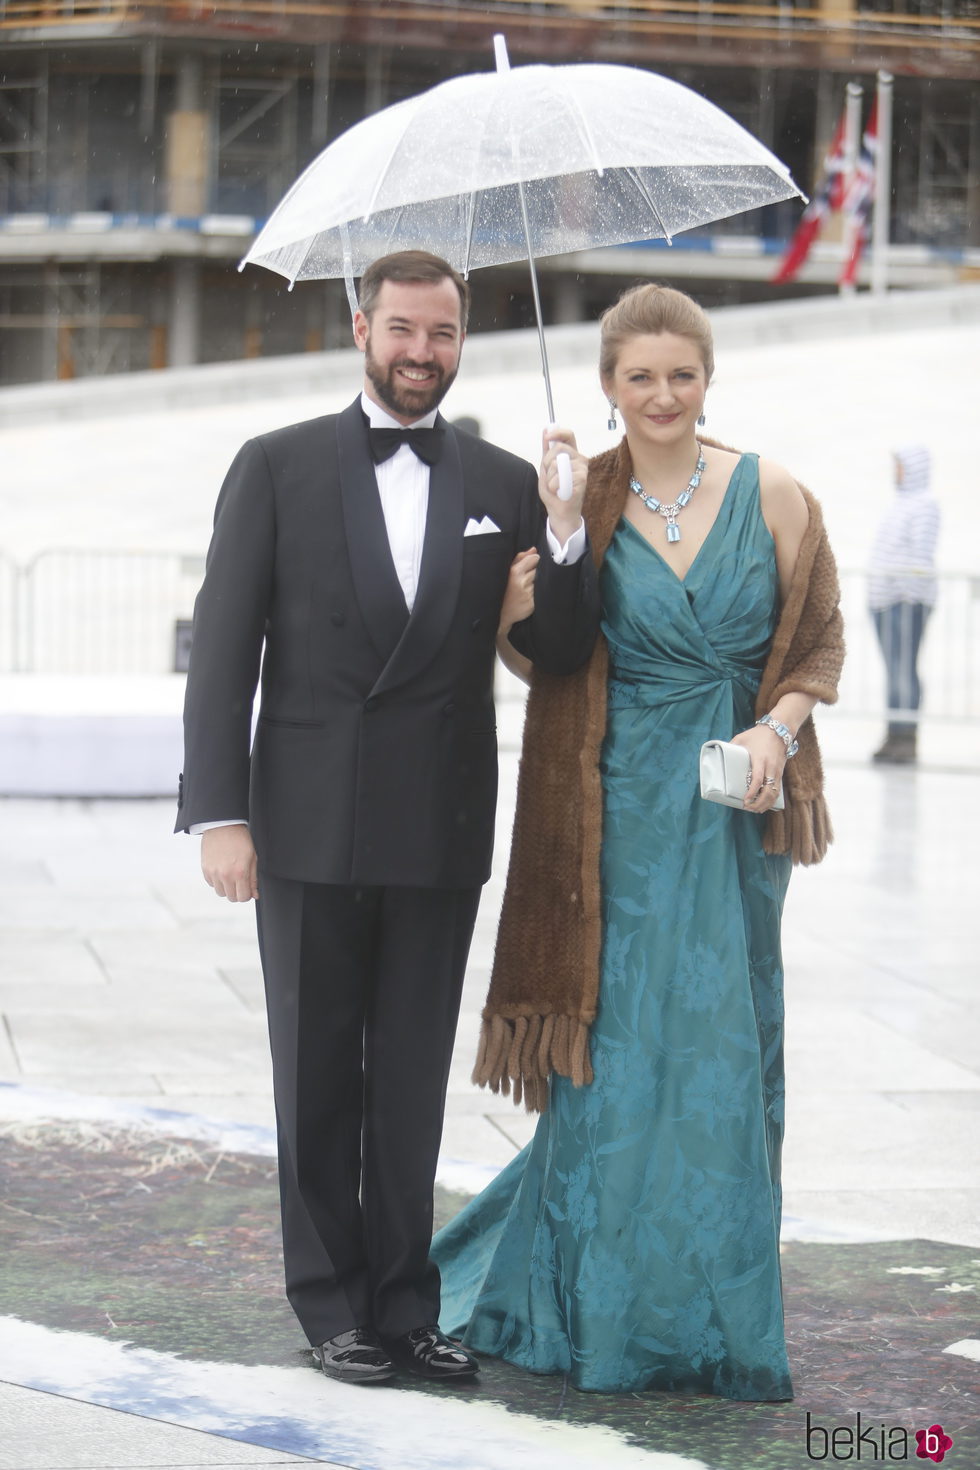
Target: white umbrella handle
[[563, 464], [564, 477]]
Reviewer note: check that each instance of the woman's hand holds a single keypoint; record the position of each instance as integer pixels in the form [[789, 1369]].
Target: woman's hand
[[518, 602], [565, 516], [767, 757], [517, 605]]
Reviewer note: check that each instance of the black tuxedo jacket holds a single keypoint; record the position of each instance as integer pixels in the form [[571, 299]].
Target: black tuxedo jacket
[[374, 759]]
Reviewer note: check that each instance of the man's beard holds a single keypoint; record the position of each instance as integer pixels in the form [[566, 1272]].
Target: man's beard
[[396, 397]]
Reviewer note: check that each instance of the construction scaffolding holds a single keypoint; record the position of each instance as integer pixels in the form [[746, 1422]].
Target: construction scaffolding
[[142, 145]]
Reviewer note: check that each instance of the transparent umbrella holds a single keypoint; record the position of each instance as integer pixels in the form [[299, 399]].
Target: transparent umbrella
[[498, 166]]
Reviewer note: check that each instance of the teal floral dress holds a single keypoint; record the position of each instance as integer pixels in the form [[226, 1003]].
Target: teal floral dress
[[634, 1244]]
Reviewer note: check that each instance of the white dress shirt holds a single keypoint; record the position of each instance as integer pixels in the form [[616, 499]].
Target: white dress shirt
[[403, 485]]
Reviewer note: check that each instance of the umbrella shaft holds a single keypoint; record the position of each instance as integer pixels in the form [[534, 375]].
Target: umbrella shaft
[[537, 304]]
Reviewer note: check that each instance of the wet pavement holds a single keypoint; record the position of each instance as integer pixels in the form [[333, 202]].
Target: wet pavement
[[131, 1000]]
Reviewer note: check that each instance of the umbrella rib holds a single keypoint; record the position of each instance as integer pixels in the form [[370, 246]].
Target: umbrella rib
[[470, 223], [583, 126], [648, 197], [294, 277], [476, 193], [377, 187], [383, 173], [348, 268]]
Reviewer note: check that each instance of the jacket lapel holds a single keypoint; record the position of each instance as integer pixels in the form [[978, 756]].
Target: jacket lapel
[[440, 573], [378, 591]]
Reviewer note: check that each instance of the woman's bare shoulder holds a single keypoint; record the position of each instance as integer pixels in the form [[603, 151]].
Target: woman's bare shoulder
[[781, 497]]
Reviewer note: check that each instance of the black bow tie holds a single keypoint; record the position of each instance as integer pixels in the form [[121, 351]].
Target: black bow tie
[[427, 443]]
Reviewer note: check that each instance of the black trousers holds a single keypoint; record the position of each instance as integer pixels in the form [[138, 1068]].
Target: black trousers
[[362, 989]]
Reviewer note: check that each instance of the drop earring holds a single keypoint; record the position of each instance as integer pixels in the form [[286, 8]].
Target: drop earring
[[701, 420], [611, 424]]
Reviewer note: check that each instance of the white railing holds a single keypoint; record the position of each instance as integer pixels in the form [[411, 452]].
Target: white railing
[[116, 612], [74, 611], [949, 659], [9, 579]]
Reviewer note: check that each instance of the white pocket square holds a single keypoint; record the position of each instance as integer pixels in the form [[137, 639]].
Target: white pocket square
[[480, 528]]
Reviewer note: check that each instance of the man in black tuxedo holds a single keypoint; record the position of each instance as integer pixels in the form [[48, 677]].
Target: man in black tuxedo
[[368, 583]]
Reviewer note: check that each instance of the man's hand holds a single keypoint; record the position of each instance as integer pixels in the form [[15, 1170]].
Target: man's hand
[[565, 516], [229, 862]]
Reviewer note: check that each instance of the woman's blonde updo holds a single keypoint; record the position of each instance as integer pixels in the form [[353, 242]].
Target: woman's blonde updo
[[647, 311]]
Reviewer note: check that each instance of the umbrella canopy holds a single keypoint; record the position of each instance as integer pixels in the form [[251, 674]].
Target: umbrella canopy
[[605, 155]]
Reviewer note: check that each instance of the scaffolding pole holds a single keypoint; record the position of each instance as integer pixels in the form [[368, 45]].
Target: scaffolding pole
[[852, 133]]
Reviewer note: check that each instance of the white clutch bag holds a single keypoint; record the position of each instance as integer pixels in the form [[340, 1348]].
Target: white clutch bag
[[725, 774]]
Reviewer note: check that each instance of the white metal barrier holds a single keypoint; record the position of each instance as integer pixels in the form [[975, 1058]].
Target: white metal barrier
[[115, 612], [97, 612], [9, 579], [949, 659]]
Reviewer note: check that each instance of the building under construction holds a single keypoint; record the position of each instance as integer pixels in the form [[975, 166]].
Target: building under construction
[[142, 145]]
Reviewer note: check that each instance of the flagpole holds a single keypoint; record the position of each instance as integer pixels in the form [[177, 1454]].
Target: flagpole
[[824, 199], [881, 221], [852, 133]]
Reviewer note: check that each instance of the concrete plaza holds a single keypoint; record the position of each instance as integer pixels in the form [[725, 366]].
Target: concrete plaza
[[127, 986]]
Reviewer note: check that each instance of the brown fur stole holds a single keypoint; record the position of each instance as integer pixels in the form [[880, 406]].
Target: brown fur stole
[[544, 986]]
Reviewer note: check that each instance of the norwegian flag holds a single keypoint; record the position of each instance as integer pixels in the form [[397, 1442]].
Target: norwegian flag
[[859, 198], [828, 197]]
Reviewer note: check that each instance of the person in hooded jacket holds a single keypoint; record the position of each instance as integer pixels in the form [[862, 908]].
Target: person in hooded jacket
[[902, 592]]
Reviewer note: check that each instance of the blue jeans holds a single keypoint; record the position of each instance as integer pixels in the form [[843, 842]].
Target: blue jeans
[[900, 629]]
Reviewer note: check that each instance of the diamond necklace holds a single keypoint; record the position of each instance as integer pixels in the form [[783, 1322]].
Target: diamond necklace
[[672, 511]]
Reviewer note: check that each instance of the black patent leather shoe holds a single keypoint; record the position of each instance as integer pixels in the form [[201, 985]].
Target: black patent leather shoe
[[354, 1357], [429, 1353]]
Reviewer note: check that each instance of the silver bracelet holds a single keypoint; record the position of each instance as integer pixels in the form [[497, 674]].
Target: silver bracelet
[[785, 735]]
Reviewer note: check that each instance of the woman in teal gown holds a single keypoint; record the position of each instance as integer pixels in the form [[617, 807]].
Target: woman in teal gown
[[634, 1244]]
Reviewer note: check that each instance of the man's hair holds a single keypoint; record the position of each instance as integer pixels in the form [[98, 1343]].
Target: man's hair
[[411, 266]]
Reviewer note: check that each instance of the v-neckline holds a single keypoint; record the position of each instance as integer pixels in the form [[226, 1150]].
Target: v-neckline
[[681, 581]]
